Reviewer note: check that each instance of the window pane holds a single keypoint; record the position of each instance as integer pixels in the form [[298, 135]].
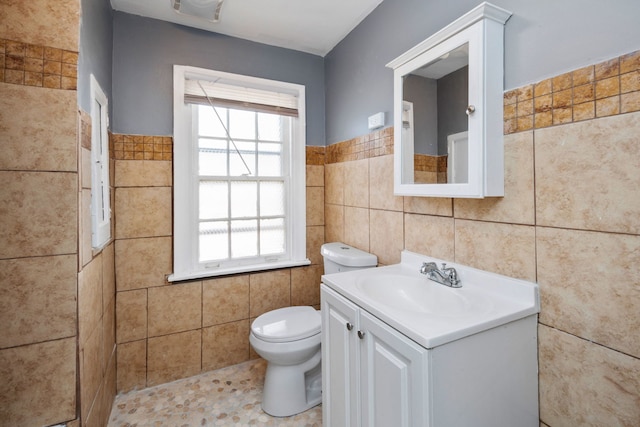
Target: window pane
[[271, 198], [269, 159], [272, 236], [214, 241], [242, 124], [212, 157], [244, 199], [214, 200], [247, 153], [244, 238], [269, 127], [208, 122]]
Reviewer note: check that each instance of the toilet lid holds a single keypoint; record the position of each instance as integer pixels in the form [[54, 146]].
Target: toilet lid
[[287, 324]]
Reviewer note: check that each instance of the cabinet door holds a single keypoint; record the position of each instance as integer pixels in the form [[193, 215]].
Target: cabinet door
[[393, 371], [340, 353]]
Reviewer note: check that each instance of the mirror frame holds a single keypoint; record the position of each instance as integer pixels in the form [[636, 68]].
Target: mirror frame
[[483, 29]]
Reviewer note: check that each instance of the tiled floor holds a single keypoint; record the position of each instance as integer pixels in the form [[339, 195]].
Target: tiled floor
[[226, 397]]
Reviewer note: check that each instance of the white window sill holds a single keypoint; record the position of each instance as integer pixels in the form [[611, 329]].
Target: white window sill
[[202, 274]]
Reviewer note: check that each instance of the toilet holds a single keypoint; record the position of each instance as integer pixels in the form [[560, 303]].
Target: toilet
[[339, 257], [289, 340]]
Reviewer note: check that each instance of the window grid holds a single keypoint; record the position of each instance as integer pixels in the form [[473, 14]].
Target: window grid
[[252, 158]]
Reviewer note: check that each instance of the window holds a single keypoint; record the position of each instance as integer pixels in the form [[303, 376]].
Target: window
[[239, 174], [100, 196]]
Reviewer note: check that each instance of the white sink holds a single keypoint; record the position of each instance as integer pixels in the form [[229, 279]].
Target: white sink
[[403, 292], [430, 313]]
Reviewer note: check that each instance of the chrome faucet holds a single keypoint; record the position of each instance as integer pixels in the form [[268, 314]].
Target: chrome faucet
[[446, 276]]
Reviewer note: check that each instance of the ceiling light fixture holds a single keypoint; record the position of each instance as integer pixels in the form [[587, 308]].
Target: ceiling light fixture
[[204, 9]]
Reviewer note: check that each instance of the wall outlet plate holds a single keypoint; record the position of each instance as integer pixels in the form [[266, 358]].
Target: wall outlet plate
[[376, 121]]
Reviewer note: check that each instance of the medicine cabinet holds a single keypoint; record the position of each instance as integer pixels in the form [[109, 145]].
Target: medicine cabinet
[[448, 110]]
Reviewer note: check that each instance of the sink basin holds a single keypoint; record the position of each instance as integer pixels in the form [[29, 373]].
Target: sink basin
[[430, 313], [416, 294]]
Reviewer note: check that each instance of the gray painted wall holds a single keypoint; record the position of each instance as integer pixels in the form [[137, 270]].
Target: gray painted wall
[[145, 50], [453, 99], [438, 109], [96, 46], [423, 93], [543, 38]]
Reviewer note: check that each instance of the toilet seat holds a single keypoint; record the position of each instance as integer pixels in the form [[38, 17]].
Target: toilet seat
[[287, 324]]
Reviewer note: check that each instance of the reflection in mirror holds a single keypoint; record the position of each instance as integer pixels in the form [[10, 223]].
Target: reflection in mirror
[[434, 119]]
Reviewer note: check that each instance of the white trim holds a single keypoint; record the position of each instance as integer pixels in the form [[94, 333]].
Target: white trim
[[453, 142], [407, 160], [100, 186], [237, 270], [186, 264]]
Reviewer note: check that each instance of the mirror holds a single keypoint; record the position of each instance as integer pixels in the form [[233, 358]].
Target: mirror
[[435, 98], [448, 110]]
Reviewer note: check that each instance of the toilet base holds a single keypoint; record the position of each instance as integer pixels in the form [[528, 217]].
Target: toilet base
[[289, 390]]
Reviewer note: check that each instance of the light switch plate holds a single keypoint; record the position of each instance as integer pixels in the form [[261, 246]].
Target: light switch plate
[[376, 121]]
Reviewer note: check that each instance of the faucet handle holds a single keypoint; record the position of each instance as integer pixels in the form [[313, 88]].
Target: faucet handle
[[444, 266]]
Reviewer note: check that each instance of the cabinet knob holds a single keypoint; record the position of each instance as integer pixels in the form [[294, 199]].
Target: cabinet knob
[[470, 110], [360, 334], [349, 326]]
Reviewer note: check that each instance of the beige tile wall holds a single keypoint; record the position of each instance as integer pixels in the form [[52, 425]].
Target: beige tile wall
[[38, 65], [374, 144], [49, 146], [138, 147], [430, 169], [605, 89], [569, 221], [45, 371], [41, 22], [169, 331], [96, 298], [57, 359]]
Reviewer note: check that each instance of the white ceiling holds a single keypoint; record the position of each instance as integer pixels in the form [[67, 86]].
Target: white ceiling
[[313, 26]]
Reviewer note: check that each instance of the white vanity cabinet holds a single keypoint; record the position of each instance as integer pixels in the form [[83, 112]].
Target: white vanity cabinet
[[376, 376], [392, 372], [340, 361], [372, 374]]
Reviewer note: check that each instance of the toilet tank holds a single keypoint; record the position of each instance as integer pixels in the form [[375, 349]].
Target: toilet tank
[[339, 257]]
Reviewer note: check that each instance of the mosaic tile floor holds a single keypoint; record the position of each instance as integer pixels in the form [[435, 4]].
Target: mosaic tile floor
[[226, 397]]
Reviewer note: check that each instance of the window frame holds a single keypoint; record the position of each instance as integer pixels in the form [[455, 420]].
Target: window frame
[[100, 182], [185, 190]]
